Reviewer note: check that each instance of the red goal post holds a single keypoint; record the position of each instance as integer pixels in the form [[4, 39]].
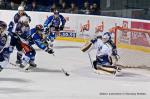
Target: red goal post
[[123, 29], [134, 44]]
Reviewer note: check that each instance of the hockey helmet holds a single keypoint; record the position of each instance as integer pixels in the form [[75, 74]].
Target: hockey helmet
[[3, 26], [56, 12], [20, 8], [39, 27], [24, 19]]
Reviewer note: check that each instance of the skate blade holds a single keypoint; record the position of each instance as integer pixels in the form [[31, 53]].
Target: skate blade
[[30, 68]]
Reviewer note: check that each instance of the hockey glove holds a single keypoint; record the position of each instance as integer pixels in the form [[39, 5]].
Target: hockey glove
[[10, 26], [114, 52], [61, 27], [46, 29]]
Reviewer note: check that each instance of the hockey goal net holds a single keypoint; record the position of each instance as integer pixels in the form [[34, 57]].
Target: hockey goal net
[[133, 47]]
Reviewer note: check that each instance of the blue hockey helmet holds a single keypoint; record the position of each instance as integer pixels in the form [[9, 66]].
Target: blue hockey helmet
[[39, 27]]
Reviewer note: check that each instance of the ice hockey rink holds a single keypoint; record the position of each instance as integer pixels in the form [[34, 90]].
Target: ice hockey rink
[[48, 82]]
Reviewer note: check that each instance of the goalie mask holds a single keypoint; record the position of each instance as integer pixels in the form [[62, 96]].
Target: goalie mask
[[3, 27], [105, 38]]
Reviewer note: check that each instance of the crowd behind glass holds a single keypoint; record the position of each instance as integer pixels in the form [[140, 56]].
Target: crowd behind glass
[[115, 8]]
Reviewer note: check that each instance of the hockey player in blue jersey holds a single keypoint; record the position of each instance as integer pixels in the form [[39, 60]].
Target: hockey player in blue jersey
[[5, 47], [35, 36], [53, 25]]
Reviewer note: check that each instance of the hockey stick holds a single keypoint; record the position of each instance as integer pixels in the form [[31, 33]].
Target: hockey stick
[[62, 69], [88, 52], [65, 72], [13, 64], [90, 60]]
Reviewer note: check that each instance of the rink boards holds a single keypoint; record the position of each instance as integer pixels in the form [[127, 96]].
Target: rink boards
[[80, 28]]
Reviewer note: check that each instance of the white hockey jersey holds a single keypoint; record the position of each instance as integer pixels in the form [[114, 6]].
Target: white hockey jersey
[[103, 48]]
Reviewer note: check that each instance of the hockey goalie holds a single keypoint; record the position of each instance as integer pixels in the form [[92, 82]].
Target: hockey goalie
[[106, 56]]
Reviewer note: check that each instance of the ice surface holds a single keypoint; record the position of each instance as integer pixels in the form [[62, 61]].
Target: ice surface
[[48, 82]]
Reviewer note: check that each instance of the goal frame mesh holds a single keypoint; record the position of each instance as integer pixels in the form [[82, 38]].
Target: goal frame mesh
[[134, 60]]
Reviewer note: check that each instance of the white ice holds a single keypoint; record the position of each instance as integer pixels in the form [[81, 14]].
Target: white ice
[[48, 82]]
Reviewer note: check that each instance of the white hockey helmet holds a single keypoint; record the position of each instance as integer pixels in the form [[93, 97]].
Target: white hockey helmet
[[24, 19], [20, 8]]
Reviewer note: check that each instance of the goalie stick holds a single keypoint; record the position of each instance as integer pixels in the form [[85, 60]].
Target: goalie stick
[[90, 60]]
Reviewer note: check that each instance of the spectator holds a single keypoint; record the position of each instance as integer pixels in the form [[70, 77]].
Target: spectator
[[91, 9], [73, 8], [86, 9], [23, 3], [53, 8], [95, 10], [63, 7], [15, 4], [32, 6], [1, 1]]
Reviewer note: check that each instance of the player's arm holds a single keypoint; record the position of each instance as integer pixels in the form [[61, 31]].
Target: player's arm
[[28, 17], [63, 20], [48, 20], [18, 28], [11, 26], [16, 18], [42, 45]]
